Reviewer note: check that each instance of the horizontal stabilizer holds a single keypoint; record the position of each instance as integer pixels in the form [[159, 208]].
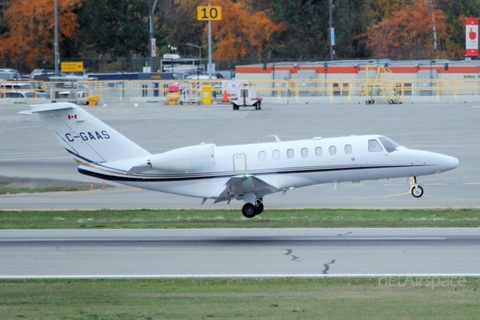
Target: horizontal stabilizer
[[39, 108]]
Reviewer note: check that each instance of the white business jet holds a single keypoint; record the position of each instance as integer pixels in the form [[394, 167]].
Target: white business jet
[[241, 172]]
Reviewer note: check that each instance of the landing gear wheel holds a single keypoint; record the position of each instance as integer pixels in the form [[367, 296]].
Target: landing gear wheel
[[258, 208], [249, 210], [417, 191], [235, 107]]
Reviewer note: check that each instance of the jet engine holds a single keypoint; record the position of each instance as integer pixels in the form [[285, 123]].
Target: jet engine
[[188, 159]]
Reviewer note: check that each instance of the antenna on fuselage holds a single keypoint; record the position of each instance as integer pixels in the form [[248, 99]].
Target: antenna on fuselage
[[276, 137]]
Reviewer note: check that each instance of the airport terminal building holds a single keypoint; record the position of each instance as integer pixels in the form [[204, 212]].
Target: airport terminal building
[[373, 79]]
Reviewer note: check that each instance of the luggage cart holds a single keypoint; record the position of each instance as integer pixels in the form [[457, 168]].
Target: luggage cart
[[190, 95]]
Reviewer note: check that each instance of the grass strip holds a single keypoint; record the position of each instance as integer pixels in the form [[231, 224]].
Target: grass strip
[[41, 189], [288, 298], [293, 218]]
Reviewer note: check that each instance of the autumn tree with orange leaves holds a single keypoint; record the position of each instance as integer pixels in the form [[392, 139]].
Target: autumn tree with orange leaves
[[408, 33], [242, 32], [30, 34]]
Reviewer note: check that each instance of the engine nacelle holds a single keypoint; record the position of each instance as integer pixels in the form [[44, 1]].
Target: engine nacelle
[[188, 159]]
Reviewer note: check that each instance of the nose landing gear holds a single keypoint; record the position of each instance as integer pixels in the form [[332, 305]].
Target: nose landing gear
[[416, 190]]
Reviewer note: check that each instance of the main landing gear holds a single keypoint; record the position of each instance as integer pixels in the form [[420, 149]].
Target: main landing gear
[[250, 210], [416, 190]]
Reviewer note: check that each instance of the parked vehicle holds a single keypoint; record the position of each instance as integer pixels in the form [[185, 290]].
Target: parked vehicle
[[9, 74], [24, 94]]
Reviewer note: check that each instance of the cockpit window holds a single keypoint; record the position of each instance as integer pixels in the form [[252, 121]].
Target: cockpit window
[[374, 146], [388, 144]]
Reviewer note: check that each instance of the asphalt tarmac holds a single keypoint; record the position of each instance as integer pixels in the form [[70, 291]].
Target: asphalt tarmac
[[333, 252]]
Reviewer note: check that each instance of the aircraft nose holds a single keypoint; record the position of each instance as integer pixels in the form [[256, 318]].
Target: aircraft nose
[[448, 163]]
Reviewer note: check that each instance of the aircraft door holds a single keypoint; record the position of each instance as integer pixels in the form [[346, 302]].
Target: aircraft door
[[239, 163]]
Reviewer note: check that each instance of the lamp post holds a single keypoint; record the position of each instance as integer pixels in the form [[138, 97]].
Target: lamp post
[[331, 31], [199, 57], [172, 48], [151, 13], [55, 18]]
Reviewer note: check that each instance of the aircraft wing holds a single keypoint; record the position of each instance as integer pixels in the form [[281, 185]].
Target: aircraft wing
[[238, 186]]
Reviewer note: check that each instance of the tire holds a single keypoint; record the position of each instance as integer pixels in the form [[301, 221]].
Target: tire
[[259, 208], [248, 210], [417, 191]]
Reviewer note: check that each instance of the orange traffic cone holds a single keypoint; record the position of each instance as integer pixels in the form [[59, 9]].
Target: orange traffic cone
[[225, 95]]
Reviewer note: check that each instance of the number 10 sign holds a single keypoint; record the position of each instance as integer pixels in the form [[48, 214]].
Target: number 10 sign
[[209, 13]]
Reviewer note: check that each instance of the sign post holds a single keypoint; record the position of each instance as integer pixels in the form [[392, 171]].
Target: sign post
[[72, 66], [154, 49], [471, 37], [209, 13]]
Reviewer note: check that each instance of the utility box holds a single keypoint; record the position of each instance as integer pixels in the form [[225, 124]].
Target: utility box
[[206, 94], [173, 95], [92, 100]]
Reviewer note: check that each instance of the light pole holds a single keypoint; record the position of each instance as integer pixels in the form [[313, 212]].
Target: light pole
[[199, 57], [55, 18], [151, 13], [331, 31], [172, 48]]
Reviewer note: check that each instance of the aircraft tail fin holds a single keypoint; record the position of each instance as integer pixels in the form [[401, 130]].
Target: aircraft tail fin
[[85, 137]]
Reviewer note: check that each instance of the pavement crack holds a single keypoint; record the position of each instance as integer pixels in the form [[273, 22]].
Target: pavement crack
[[344, 234], [327, 266], [289, 253]]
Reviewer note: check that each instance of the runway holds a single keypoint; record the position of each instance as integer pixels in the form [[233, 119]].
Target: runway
[[239, 253], [28, 149]]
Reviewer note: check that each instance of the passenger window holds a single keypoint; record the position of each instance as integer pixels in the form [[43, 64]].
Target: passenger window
[[318, 151], [348, 148], [304, 152], [262, 156], [374, 146], [332, 150], [276, 154], [290, 153]]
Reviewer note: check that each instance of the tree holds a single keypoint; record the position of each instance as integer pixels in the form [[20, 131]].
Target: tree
[[30, 36], [180, 25], [351, 20], [408, 33], [242, 33], [117, 28], [456, 12], [306, 32]]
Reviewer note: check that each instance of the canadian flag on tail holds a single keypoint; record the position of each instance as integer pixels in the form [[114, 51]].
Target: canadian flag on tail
[[72, 116]]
